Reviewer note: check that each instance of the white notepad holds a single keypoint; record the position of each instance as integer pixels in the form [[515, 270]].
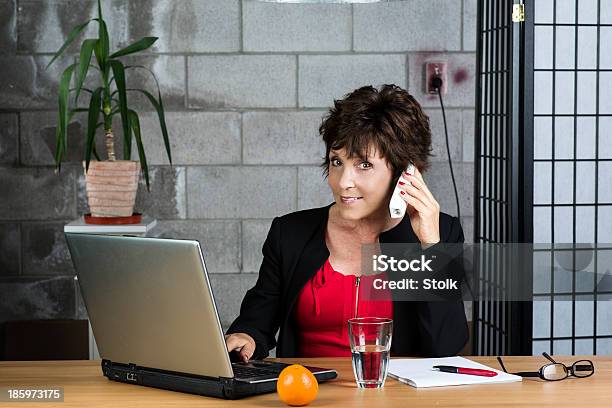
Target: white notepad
[[418, 372]]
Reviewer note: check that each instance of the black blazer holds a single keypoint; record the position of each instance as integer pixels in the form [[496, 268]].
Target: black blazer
[[295, 249]]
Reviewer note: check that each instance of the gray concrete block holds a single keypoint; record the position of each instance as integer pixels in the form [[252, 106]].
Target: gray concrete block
[[240, 192], [254, 233], [9, 138], [81, 205], [461, 79], [438, 138], [195, 138], [27, 85], [219, 240], [10, 249], [296, 27], [44, 248], [43, 26], [37, 298], [282, 137], [313, 189], [187, 25], [229, 290], [235, 81], [407, 25], [166, 200], [323, 78], [37, 194], [440, 184], [470, 25], [8, 26], [469, 136]]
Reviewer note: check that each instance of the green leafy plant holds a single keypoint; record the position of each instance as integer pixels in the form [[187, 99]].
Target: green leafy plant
[[106, 100]]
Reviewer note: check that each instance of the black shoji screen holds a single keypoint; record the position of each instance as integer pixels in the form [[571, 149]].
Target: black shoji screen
[[573, 174], [503, 166]]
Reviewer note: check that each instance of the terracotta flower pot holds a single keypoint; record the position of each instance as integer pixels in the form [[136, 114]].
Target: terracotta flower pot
[[111, 187]]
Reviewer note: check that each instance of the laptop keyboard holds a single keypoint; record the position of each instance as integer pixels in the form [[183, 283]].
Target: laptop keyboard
[[241, 371]]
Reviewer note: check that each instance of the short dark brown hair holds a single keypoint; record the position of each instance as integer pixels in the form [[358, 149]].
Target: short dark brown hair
[[389, 118]]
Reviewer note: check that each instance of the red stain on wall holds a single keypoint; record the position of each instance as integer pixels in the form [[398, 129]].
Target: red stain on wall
[[460, 75]]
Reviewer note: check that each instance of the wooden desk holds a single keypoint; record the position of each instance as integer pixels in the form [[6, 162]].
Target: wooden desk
[[84, 386]]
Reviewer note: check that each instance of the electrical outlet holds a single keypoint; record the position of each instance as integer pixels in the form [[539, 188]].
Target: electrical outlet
[[431, 70]]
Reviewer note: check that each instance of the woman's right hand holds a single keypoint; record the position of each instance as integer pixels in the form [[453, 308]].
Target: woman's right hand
[[241, 343]]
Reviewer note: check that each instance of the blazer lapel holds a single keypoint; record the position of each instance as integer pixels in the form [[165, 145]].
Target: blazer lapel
[[312, 257]]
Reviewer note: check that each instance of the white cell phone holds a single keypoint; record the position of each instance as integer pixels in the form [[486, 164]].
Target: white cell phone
[[397, 205]]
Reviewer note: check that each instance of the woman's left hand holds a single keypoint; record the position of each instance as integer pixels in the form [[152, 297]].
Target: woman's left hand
[[422, 208]]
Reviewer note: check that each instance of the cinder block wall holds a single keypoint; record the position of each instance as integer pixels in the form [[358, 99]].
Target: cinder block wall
[[245, 84]]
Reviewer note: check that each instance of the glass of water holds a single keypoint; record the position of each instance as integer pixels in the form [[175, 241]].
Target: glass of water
[[370, 339]]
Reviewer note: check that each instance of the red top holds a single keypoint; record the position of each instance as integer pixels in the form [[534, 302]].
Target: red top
[[324, 306]]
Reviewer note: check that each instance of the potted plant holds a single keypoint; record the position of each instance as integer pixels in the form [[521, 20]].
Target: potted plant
[[112, 184]]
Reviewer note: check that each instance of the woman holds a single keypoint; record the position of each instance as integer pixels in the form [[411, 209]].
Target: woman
[[312, 257]]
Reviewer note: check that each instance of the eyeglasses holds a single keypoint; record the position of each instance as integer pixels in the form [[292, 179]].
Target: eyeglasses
[[557, 371]]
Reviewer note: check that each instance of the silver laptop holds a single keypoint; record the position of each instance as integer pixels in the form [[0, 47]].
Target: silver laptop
[[155, 321]]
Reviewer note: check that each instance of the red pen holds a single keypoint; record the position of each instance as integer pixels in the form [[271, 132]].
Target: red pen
[[465, 370]]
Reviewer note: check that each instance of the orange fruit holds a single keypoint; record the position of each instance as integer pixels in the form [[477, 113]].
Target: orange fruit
[[297, 386]]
